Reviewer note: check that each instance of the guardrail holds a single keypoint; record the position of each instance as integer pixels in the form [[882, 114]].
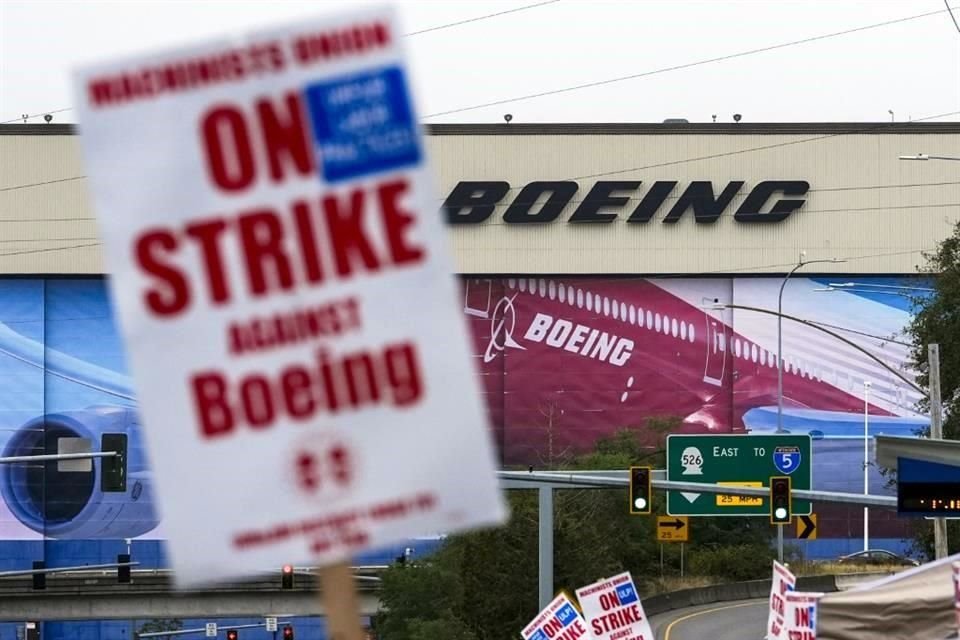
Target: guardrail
[[750, 590], [94, 596], [156, 582]]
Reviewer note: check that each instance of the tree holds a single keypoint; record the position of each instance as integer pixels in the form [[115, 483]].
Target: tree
[[158, 625], [421, 600], [482, 585], [936, 320]]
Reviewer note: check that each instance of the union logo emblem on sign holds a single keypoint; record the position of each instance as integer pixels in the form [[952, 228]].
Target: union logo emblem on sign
[[786, 459]]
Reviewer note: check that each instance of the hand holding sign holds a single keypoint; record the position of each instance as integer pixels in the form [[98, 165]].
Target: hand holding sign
[[283, 285]]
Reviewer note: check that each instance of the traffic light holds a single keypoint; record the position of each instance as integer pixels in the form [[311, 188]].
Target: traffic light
[[288, 633], [232, 634], [113, 470], [123, 573], [286, 577], [39, 579], [640, 502], [780, 508]]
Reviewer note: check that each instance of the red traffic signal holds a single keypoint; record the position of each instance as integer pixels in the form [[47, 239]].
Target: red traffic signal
[[232, 634], [286, 580], [288, 633]]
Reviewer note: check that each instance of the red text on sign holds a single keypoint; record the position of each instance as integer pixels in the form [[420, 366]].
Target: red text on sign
[[609, 601], [352, 381], [229, 145], [777, 604], [301, 324], [315, 470], [615, 620], [329, 237], [391, 509], [555, 629]]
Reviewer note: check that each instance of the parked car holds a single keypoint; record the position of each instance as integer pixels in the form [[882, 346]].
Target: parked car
[[877, 556]]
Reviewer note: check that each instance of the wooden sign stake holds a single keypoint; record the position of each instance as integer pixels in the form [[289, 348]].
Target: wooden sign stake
[[338, 594]]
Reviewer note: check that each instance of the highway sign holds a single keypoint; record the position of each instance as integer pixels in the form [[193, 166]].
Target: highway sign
[[807, 527], [736, 460], [672, 529], [211, 630], [271, 624]]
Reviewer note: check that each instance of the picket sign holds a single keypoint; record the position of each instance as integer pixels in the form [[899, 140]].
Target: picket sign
[[800, 615], [559, 620], [284, 287], [783, 582], [613, 609]]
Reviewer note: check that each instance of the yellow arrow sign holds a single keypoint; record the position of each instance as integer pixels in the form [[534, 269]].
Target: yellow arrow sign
[[807, 527], [673, 529]]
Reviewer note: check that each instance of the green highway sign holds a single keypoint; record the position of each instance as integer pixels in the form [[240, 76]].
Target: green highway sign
[[736, 460]]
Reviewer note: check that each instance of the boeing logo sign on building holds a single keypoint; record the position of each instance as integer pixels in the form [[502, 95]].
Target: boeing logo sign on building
[[544, 201], [502, 325], [557, 333]]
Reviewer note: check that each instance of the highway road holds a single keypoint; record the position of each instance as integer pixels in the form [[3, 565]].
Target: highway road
[[739, 620]]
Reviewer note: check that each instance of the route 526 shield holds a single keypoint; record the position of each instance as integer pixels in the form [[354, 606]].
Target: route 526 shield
[[786, 459]]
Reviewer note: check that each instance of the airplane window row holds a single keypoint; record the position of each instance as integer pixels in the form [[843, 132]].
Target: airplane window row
[[662, 323], [606, 306]]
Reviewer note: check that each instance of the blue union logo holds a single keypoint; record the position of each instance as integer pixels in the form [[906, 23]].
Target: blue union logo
[[786, 459]]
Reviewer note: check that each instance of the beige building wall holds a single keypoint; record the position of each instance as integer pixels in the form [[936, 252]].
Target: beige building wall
[[46, 224], [864, 205]]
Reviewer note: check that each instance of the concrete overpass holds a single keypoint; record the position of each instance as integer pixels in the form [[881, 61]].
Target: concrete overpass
[[98, 596]]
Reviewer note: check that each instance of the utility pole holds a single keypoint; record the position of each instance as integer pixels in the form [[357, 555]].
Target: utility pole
[[936, 433], [545, 535]]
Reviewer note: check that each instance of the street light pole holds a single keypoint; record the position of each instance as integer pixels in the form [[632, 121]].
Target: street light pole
[[940, 529], [783, 285], [936, 415], [924, 156], [866, 462], [936, 433]]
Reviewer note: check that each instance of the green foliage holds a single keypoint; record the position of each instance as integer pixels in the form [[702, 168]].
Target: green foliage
[[157, 625], [921, 540], [936, 320], [445, 627], [483, 585], [734, 563]]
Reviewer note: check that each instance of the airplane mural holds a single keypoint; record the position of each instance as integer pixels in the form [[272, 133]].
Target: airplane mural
[[563, 362]]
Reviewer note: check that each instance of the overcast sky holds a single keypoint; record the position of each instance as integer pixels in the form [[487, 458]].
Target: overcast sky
[[911, 68]]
